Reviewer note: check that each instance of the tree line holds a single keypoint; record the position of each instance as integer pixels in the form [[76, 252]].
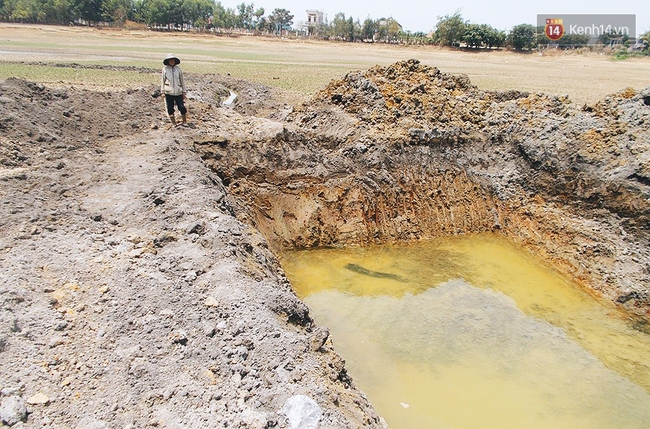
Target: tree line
[[208, 15], [200, 15], [453, 30]]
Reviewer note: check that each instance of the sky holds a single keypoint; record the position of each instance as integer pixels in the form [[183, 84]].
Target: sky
[[422, 15]]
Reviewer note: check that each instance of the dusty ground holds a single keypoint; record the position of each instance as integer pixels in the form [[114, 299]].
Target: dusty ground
[[131, 296], [139, 282]]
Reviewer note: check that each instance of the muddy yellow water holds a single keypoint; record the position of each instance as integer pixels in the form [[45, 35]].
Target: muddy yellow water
[[472, 332]]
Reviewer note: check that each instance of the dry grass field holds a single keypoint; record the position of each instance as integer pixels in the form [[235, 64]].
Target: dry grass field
[[300, 66]]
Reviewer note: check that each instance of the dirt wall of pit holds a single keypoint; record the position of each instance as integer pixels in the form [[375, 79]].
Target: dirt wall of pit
[[408, 153]]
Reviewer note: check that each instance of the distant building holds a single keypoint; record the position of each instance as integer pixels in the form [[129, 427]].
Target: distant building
[[314, 17]]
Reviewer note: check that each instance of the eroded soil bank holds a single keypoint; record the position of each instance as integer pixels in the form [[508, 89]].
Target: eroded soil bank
[[139, 282]]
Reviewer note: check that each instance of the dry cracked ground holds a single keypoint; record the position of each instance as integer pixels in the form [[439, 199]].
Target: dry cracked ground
[[140, 285]]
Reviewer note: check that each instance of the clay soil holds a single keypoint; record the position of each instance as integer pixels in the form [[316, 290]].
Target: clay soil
[[140, 283]]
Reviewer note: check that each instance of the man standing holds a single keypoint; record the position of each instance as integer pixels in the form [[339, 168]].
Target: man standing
[[173, 88]]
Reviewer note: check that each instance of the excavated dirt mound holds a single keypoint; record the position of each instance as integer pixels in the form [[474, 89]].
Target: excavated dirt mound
[[140, 285], [410, 102]]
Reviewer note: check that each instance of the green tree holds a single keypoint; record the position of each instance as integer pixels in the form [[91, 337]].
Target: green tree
[[450, 30], [245, 16], [522, 37], [197, 12], [155, 12], [350, 30], [117, 11], [21, 10], [57, 12], [382, 30], [368, 30], [175, 13], [339, 27], [387, 30], [393, 29], [222, 17], [258, 19], [475, 35], [90, 10], [280, 19], [495, 38]]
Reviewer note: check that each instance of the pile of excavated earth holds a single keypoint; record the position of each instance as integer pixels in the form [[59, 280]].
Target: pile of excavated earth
[[141, 284]]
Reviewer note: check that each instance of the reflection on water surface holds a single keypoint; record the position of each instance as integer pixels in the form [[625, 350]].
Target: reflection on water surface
[[470, 332]]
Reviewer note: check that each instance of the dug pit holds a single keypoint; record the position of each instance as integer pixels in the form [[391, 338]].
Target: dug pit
[[405, 152]]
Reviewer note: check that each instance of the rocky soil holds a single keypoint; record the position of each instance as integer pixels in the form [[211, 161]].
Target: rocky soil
[[140, 283], [131, 296]]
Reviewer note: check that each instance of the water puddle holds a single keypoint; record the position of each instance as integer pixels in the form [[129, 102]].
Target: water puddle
[[470, 332]]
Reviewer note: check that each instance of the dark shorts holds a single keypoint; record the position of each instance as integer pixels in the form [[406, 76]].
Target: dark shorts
[[175, 99]]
